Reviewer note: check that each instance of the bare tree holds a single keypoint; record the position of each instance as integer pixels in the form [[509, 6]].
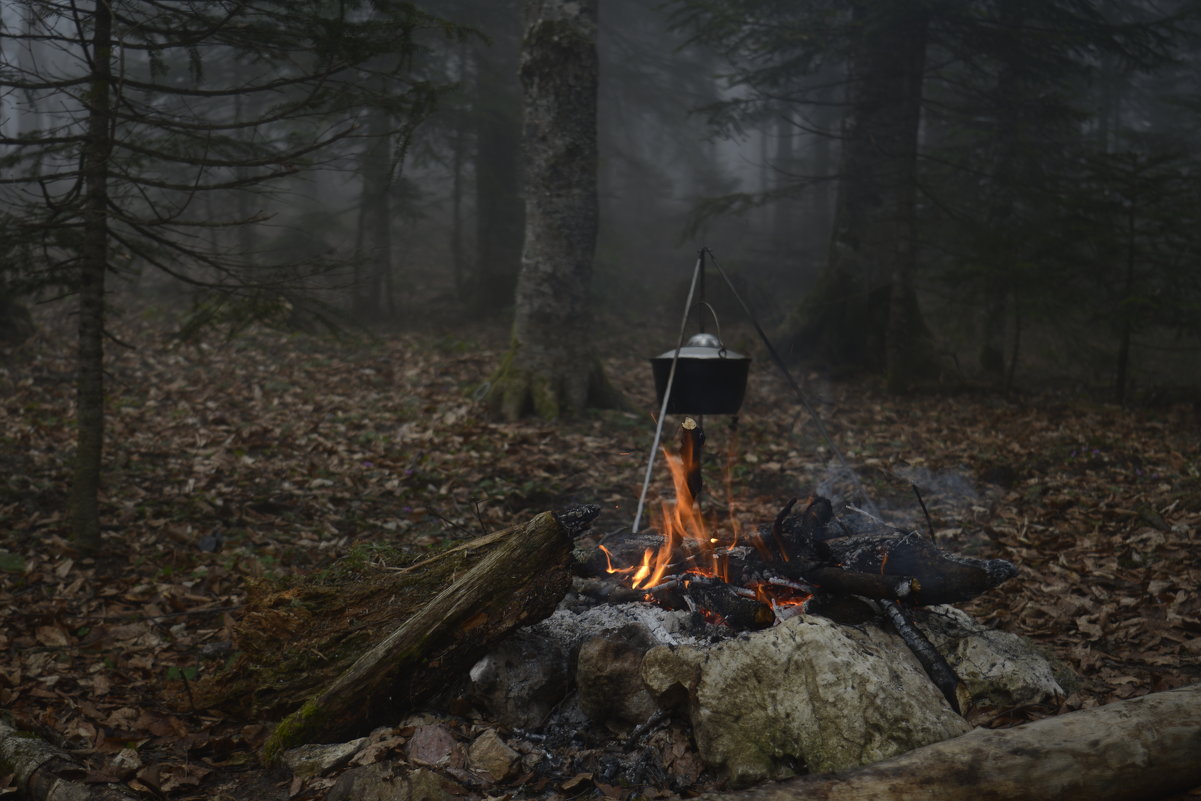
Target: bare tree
[[137, 120]]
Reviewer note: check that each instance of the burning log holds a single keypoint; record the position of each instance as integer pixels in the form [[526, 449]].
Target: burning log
[[519, 581], [1136, 750], [818, 548], [692, 444], [725, 602]]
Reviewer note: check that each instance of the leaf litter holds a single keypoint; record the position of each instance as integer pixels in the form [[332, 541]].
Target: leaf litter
[[231, 463]]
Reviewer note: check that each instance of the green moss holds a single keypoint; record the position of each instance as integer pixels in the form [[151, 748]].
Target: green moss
[[544, 392], [292, 731]]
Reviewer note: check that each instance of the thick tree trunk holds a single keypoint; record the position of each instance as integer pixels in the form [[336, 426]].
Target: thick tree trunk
[[519, 581], [498, 179], [845, 317], [1142, 749], [93, 264], [908, 353], [550, 369]]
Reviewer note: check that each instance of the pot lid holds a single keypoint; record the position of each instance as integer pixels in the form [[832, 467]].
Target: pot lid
[[703, 346]]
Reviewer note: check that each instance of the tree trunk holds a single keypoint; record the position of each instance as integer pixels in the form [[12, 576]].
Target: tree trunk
[[93, 264], [517, 583], [28, 114], [909, 356], [458, 253], [550, 369], [845, 317], [784, 220], [498, 188], [1141, 749], [371, 296], [1122, 375]]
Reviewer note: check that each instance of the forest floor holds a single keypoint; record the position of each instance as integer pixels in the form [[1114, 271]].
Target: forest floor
[[272, 454]]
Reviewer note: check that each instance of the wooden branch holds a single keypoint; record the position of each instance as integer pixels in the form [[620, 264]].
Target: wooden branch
[[43, 772], [692, 454], [518, 582], [1137, 750], [936, 667]]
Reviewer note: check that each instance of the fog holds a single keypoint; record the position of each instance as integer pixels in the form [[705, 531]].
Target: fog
[[390, 189]]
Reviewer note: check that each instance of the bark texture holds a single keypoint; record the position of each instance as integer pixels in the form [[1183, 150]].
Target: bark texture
[[1144, 748], [93, 264], [550, 369], [372, 290], [43, 772], [520, 581]]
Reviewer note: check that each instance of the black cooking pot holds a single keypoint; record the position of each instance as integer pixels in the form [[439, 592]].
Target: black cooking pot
[[709, 378]]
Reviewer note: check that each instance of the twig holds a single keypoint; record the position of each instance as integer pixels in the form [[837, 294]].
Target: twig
[[644, 728], [777, 527], [926, 512]]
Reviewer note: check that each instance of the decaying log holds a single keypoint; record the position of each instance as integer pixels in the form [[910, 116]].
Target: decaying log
[[297, 635], [43, 772], [518, 582], [1137, 750]]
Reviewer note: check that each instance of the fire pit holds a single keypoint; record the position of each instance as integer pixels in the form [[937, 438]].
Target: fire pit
[[818, 642]]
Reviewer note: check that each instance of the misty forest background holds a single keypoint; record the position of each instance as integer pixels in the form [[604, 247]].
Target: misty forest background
[[293, 284], [995, 194]]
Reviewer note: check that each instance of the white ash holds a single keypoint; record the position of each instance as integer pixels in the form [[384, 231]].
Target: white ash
[[666, 627]]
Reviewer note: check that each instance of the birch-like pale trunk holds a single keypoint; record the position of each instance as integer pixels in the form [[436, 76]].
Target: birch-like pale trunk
[[550, 369]]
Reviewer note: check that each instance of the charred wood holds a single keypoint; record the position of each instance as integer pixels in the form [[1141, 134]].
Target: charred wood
[[722, 599], [936, 667], [576, 520], [943, 577], [869, 585]]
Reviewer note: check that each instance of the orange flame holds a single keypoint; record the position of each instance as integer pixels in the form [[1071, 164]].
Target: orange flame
[[683, 521]]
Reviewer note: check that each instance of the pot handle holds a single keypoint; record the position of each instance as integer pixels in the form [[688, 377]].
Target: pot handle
[[716, 324]]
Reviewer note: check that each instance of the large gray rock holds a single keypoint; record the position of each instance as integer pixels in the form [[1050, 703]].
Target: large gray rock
[[809, 694], [530, 673], [609, 676], [521, 680], [1001, 670]]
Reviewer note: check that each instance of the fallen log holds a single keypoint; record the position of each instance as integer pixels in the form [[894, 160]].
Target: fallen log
[[295, 636], [519, 581], [43, 772], [1137, 750]]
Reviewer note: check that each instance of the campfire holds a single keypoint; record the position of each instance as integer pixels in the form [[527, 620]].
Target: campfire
[[815, 642], [848, 567]]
